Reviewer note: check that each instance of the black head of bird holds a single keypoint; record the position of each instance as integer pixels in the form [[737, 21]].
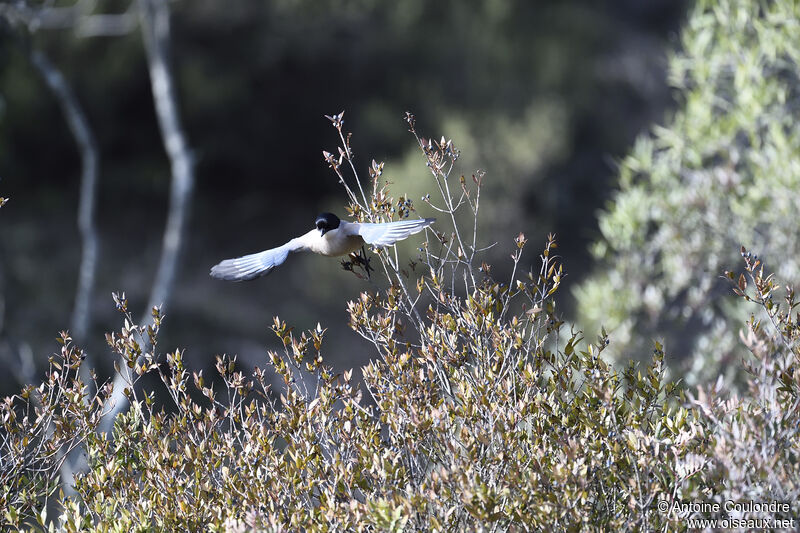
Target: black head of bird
[[326, 222]]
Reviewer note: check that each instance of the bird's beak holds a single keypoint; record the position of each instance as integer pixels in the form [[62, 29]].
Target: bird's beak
[[321, 232]]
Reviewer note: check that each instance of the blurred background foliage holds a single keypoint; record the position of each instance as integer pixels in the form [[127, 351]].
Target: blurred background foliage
[[723, 172], [543, 96]]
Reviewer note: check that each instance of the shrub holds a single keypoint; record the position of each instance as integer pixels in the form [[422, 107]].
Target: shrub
[[723, 171], [40, 427], [753, 445], [478, 410]]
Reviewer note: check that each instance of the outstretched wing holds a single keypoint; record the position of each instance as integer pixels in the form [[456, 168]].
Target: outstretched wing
[[390, 232], [254, 265]]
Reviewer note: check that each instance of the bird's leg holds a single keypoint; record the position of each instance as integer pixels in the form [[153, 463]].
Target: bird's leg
[[360, 260], [366, 260]]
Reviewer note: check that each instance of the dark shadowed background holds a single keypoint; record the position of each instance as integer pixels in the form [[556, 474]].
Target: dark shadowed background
[[542, 96]]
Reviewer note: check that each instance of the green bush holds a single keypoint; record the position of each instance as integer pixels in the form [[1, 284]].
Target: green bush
[[722, 172], [479, 411], [482, 410]]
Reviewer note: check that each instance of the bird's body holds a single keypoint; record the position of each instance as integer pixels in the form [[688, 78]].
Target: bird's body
[[332, 237], [333, 243]]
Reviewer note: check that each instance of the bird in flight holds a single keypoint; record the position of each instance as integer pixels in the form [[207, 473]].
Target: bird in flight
[[331, 237]]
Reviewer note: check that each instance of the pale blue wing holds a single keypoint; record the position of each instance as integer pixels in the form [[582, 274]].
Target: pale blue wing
[[389, 233], [254, 265]]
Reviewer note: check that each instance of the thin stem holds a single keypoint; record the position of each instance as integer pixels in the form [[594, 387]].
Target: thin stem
[[349, 157]]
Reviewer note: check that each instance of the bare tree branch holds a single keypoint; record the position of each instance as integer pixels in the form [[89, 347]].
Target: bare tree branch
[[79, 16], [46, 16], [154, 16], [107, 25], [82, 132], [156, 31]]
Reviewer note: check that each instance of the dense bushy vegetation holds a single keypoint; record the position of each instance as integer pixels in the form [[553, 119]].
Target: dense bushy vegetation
[[721, 173], [480, 409]]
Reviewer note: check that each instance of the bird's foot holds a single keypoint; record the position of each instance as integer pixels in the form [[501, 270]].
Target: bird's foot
[[359, 261]]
